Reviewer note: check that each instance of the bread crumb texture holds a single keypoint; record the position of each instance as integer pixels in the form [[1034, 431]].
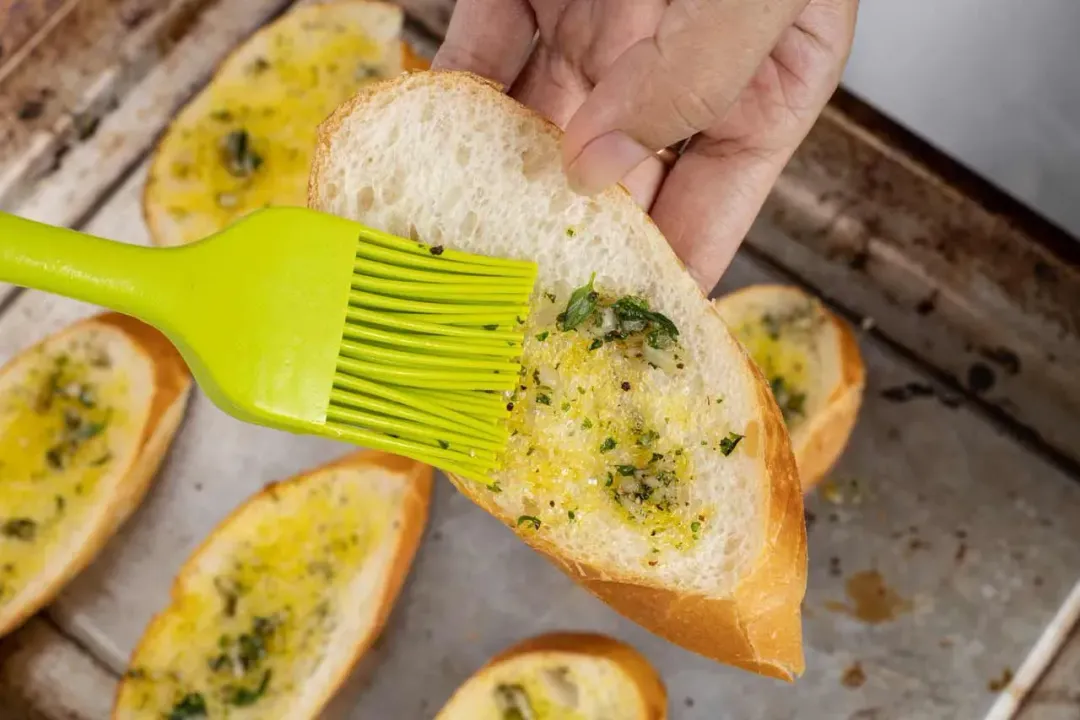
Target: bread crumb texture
[[631, 449]]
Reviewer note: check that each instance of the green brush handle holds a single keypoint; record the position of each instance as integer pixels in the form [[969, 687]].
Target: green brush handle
[[127, 278]]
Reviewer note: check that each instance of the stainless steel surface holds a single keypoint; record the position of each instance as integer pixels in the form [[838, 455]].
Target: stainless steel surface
[[971, 532], [992, 82]]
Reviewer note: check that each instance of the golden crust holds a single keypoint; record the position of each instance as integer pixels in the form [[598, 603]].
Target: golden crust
[[172, 384], [414, 513], [648, 682], [758, 627]]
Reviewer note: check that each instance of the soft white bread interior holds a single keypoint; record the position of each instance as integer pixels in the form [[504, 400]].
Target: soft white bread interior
[[647, 457], [85, 419], [246, 140], [270, 614], [562, 676], [812, 362]]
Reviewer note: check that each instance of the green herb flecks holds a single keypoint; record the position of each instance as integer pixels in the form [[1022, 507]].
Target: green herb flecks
[[23, 529], [630, 316], [529, 520], [240, 696], [581, 306], [192, 705], [608, 445], [728, 444], [513, 702], [238, 156], [792, 404], [647, 438], [633, 315]]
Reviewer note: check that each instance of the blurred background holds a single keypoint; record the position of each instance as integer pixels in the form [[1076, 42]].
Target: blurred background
[[994, 83]]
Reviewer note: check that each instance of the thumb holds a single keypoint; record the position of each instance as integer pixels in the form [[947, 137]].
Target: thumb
[[670, 86]]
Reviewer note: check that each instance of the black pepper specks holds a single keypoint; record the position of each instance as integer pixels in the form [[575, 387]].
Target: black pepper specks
[[436, 250], [625, 386]]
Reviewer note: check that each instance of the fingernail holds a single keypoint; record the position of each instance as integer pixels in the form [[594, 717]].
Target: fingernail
[[605, 161]]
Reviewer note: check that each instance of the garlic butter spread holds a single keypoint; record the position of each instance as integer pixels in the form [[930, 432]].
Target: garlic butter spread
[[62, 430], [594, 428]]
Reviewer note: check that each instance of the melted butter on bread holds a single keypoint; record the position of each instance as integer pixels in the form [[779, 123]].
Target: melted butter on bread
[[603, 431], [248, 630], [62, 429], [247, 141]]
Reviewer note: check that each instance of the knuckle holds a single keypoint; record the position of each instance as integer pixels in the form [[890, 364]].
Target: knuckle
[[694, 110]]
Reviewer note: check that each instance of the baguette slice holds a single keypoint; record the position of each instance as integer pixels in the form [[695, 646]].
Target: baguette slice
[[270, 614], [812, 363], [562, 676], [85, 419], [246, 140], [662, 477]]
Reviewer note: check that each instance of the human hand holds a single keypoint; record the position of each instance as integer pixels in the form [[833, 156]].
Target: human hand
[[744, 79]]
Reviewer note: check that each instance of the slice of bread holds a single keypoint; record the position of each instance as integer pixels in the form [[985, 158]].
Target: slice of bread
[[270, 614], [812, 362], [562, 676], [85, 419], [246, 140], [654, 469]]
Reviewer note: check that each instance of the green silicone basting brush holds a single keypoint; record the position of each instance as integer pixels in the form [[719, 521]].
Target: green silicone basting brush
[[314, 324]]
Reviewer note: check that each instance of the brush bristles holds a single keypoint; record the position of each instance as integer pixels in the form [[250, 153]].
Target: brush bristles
[[432, 340]]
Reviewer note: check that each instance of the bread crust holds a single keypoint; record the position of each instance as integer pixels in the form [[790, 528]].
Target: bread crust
[[757, 627], [172, 385], [646, 679], [414, 513], [820, 440]]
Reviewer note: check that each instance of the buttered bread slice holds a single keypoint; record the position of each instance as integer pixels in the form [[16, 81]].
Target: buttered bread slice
[[647, 456], [85, 419]]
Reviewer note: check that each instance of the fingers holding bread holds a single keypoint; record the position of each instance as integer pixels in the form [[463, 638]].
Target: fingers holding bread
[[86, 417]]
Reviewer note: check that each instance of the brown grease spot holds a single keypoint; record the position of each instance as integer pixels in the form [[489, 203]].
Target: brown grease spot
[[751, 437], [1000, 683], [853, 677], [872, 601]]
